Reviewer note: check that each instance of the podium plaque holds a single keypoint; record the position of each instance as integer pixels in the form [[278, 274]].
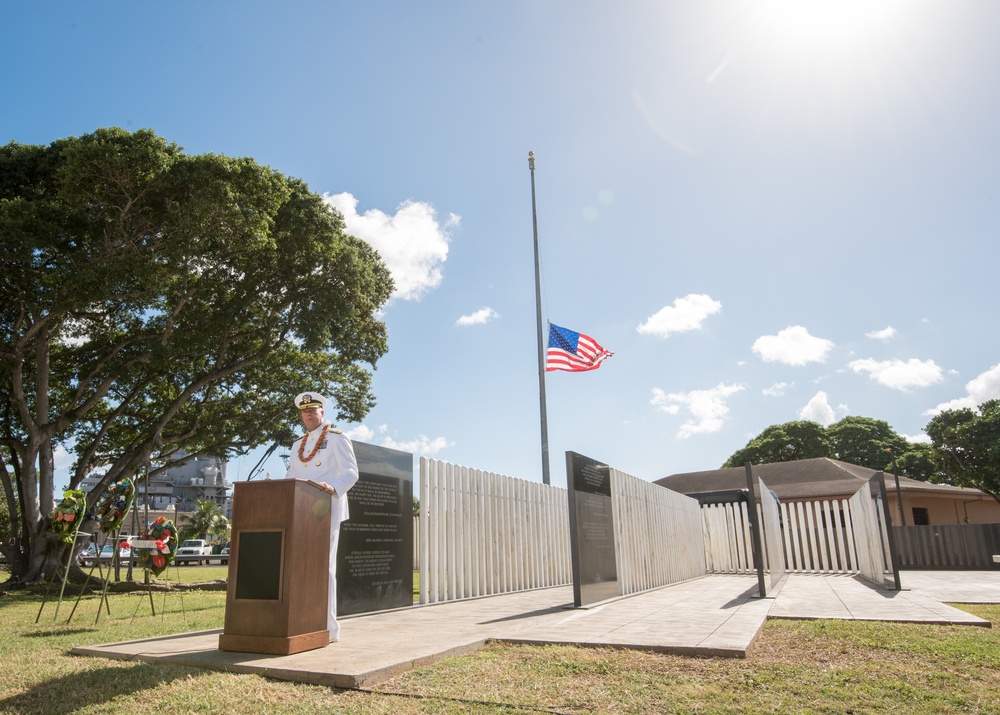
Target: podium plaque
[[276, 598]]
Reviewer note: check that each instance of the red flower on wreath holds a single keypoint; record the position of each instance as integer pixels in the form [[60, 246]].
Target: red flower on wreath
[[159, 561]]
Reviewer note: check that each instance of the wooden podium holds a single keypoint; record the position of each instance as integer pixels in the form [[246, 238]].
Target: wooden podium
[[276, 598]]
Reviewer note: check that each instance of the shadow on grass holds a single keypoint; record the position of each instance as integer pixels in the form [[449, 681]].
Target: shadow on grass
[[59, 632], [134, 612], [92, 688]]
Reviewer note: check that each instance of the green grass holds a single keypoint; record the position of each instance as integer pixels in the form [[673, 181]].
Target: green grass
[[796, 667], [194, 574]]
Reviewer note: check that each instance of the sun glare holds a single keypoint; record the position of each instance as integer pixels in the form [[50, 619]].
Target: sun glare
[[826, 24]]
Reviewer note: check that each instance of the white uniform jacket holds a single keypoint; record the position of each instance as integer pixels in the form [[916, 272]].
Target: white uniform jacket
[[334, 463]]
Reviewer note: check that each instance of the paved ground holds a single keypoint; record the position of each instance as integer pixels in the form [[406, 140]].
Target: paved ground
[[714, 615]]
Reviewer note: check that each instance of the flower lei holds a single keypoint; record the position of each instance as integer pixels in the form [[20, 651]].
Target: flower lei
[[315, 449], [157, 559], [68, 515], [114, 505]]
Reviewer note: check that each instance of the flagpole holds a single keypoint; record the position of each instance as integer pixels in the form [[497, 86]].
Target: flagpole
[[541, 344]]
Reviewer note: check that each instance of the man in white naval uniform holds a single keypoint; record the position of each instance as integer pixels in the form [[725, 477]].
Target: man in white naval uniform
[[325, 456]]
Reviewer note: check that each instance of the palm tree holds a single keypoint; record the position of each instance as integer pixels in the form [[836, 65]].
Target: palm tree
[[206, 519]]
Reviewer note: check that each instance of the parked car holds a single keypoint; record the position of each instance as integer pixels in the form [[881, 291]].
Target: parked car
[[225, 554], [193, 551], [107, 553]]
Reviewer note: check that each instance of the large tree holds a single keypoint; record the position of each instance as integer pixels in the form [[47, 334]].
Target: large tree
[[863, 441], [966, 443], [157, 306], [920, 462], [786, 442], [866, 442]]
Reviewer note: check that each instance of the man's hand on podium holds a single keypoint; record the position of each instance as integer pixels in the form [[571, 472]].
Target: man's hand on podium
[[325, 487]]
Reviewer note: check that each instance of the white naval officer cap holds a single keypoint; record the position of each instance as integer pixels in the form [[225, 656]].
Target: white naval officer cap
[[310, 401]]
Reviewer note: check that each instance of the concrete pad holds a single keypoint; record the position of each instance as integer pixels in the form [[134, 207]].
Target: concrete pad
[[372, 647], [716, 615], [955, 586], [708, 616], [843, 596]]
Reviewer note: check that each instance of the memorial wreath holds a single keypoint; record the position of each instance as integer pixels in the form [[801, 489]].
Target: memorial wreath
[[161, 537], [114, 504], [68, 515]]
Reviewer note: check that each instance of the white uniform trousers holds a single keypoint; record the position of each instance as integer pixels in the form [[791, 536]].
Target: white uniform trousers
[[331, 620]]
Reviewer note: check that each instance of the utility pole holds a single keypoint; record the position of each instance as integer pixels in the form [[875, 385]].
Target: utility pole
[[899, 492]]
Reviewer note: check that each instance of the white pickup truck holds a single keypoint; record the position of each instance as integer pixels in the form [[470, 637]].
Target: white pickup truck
[[193, 550]]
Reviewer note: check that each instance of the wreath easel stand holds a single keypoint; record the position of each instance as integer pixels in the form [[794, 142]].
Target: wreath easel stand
[[98, 548], [65, 576], [66, 520], [115, 553], [154, 551], [110, 511], [145, 572]]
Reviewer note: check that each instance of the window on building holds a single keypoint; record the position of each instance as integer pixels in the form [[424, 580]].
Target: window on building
[[921, 517]]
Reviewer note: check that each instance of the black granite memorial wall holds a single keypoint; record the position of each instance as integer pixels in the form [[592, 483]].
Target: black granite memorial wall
[[375, 555], [592, 530]]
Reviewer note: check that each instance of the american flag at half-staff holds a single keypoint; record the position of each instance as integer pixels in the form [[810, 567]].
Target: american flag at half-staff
[[573, 351]]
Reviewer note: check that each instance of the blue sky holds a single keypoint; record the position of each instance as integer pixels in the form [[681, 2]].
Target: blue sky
[[769, 210]]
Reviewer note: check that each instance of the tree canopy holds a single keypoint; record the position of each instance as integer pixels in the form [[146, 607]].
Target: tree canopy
[[786, 442], [863, 441], [966, 445], [964, 449], [155, 304], [207, 520]]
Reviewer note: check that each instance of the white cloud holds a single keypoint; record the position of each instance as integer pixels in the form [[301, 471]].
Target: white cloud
[[687, 313], [777, 389], [412, 242], [421, 445], [483, 315], [708, 408], [957, 404], [362, 433], [792, 346], [886, 333], [818, 409], [899, 374], [921, 438], [983, 387]]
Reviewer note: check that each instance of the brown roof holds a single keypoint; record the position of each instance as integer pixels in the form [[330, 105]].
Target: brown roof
[[803, 479]]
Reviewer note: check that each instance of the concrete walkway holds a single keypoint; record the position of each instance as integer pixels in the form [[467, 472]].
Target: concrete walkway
[[713, 615]]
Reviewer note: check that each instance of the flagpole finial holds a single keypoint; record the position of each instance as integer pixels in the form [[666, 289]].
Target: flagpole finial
[[531, 160]]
